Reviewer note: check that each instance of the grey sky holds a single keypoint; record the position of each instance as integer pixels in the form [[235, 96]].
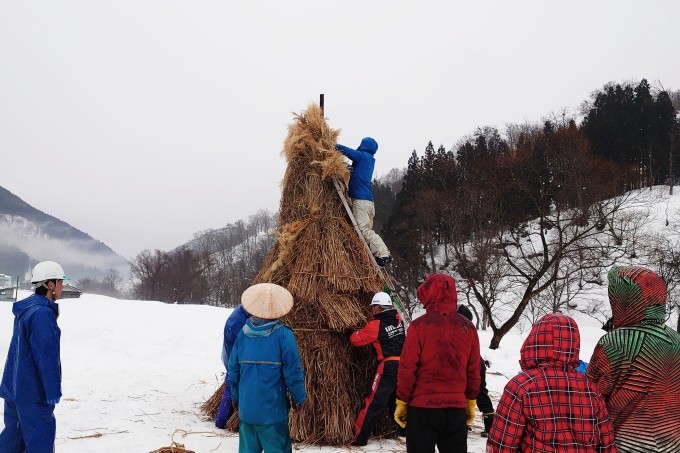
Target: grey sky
[[143, 122]]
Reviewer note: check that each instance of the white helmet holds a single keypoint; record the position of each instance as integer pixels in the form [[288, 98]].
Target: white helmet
[[382, 299], [47, 270]]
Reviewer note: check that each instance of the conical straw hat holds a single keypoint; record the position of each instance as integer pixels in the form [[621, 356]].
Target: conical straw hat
[[267, 300]]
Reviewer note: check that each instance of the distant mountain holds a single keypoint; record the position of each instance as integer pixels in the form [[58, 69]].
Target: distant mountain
[[28, 236]]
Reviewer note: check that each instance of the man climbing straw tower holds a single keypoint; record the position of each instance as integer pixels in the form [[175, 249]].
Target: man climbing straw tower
[[323, 262]]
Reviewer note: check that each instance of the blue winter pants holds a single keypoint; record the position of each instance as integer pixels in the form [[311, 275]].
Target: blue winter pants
[[273, 438], [225, 410], [29, 427]]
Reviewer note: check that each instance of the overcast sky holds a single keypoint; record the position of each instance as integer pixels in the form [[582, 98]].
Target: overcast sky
[[142, 122]]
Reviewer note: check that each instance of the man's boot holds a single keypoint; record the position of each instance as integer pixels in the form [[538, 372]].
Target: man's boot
[[488, 421], [383, 260]]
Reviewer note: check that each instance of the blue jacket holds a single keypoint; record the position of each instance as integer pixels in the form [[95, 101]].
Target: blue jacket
[[363, 162], [582, 367], [33, 368], [235, 322], [264, 367]]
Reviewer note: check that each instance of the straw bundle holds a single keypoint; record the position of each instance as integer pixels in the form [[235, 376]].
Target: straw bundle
[[211, 406], [322, 261], [173, 448]]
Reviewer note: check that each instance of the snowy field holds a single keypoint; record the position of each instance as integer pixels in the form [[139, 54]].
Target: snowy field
[[136, 372]]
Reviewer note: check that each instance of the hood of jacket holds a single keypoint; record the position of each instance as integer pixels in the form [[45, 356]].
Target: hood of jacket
[[258, 327], [21, 307], [438, 293], [463, 310], [390, 313], [368, 145], [637, 296], [554, 340]]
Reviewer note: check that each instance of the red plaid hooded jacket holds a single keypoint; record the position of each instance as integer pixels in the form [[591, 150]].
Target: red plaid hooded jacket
[[550, 407]]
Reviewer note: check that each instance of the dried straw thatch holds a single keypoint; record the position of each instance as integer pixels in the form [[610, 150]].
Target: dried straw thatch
[[212, 405], [173, 448], [323, 262]]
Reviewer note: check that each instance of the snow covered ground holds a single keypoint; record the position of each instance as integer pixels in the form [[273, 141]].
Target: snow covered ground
[[136, 372]]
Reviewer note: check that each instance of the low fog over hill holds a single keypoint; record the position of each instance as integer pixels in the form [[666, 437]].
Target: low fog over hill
[[28, 235]]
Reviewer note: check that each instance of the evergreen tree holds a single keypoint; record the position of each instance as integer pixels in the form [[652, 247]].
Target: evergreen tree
[[629, 125], [663, 126]]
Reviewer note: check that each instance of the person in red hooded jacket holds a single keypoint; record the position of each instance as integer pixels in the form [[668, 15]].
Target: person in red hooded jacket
[[438, 378], [550, 407]]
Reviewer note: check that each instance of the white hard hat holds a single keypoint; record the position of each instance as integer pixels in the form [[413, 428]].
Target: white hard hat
[[382, 299], [47, 270]]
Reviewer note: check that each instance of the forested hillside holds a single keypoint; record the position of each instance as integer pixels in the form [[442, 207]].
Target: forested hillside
[[214, 268], [527, 217], [559, 186]]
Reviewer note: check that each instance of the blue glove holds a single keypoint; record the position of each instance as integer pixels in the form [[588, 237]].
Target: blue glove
[[53, 402], [223, 413]]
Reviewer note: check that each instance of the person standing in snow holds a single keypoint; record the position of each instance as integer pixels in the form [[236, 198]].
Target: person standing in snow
[[484, 403], [636, 366], [386, 333], [235, 322], [31, 382], [361, 192], [264, 369], [438, 377], [550, 407]]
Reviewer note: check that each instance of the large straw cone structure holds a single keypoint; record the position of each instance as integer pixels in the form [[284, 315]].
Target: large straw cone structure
[[323, 262]]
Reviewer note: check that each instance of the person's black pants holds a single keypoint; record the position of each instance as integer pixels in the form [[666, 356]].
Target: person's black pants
[[444, 428], [382, 395], [484, 402]]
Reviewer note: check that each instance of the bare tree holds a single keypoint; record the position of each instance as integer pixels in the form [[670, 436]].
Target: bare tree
[[112, 281], [577, 274], [559, 249], [394, 179], [482, 269], [514, 133], [553, 259], [148, 269], [675, 99], [661, 253]]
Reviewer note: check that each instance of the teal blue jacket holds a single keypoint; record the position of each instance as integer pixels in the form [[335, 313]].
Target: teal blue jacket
[[264, 368]]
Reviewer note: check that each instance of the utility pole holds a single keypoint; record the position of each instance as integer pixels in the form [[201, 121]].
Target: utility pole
[[651, 175], [670, 161]]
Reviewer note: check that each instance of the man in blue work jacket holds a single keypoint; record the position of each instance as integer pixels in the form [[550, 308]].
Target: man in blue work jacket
[[361, 192], [31, 382]]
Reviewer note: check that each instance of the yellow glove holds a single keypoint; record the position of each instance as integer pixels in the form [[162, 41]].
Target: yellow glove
[[400, 413], [470, 411]]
